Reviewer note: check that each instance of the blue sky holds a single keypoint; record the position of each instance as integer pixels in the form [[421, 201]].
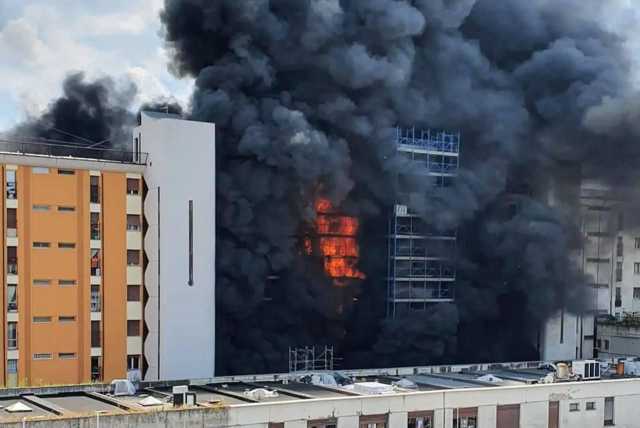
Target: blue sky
[[41, 41]]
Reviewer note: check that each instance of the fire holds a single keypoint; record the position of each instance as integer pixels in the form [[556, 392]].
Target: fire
[[337, 242]]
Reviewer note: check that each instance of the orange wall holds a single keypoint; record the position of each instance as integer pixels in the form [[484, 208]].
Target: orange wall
[[114, 278], [54, 264]]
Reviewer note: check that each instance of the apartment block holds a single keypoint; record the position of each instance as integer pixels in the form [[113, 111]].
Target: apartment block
[[71, 236], [96, 288]]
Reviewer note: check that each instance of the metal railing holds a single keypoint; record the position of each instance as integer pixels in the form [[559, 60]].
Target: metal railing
[[439, 141], [35, 146]]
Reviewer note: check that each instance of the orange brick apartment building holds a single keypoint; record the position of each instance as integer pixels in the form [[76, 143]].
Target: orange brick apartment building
[[72, 254]]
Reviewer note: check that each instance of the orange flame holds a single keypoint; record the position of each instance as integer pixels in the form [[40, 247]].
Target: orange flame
[[337, 242]]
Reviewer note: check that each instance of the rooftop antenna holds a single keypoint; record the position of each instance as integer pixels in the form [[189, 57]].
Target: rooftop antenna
[[73, 135]]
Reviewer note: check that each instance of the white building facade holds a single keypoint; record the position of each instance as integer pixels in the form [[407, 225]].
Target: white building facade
[[179, 244], [610, 257]]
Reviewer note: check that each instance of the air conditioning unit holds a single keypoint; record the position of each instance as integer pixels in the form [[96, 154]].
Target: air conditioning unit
[[586, 369]]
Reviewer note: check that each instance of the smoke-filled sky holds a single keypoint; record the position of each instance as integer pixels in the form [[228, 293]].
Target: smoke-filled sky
[[304, 95], [43, 40]]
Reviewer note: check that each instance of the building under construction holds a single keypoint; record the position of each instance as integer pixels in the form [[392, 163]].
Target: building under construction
[[420, 257]]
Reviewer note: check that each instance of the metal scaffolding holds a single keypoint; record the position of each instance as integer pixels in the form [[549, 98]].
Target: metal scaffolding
[[310, 358], [421, 266]]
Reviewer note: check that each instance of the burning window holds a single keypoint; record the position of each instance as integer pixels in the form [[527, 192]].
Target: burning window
[[336, 242]]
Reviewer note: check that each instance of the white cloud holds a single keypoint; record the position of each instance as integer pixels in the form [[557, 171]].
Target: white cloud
[[43, 41]]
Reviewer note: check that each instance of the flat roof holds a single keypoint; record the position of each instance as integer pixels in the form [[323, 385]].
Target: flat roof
[[50, 402], [45, 148]]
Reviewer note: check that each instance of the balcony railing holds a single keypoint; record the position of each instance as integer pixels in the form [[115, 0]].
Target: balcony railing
[[12, 306], [12, 268], [12, 343], [43, 147]]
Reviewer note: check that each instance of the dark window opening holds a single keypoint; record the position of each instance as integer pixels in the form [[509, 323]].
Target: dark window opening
[[94, 189], [96, 304], [12, 260], [95, 226], [133, 186], [133, 222], [133, 328], [133, 258], [95, 334], [133, 293], [95, 262]]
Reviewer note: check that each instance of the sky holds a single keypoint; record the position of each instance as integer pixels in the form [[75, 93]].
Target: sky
[[41, 41]]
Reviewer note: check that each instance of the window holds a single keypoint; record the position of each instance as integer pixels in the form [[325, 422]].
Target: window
[[636, 243], [66, 209], [636, 293], [618, 301], [133, 328], [41, 282], [39, 170], [66, 245], [66, 318], [618, 271], [42, 356], [95, 334], [12, 335], [599, 343], [133, 257], [12, 221], [133, 186], [40, 245], [96, 368], [133, 293], [66, 282], [322, 423], [373, 421], [95, 298], [619, 247], [12, 366], [41, 320], [133, 222], [94, 190], [606, 344], [12, 190], [40, 207], [12, 260], [133, 362], [609, 411], [574, 407], [95, 226], [465, 418], [67, 355], [420, 420], [66, 172], [95, 262], [636, 268], [12, 298], [591, 405]]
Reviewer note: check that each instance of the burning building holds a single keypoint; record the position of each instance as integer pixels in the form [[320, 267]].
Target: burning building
[[336, 242], [420, 265]]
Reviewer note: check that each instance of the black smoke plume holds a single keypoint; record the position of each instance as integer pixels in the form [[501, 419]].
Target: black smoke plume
[[305, 95], [87, 113]]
